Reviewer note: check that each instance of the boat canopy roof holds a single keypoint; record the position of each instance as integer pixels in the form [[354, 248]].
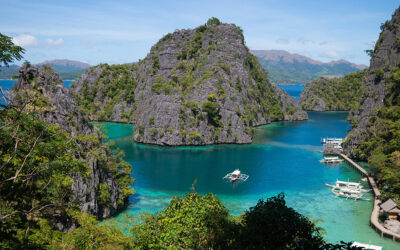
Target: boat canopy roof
[[348, 183], [236, 172]]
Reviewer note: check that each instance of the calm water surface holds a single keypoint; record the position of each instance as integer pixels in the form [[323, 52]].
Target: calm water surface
[[293, 90], [283, 158]]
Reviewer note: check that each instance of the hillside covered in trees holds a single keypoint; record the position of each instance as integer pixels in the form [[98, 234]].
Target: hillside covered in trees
[[342, 93], [284, 67]]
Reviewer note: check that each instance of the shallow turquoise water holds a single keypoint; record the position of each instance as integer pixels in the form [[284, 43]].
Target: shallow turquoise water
[[283, 158]]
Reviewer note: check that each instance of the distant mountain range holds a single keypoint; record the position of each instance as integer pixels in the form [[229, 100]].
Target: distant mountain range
[[285, 67], [67, 69], [282, 66]]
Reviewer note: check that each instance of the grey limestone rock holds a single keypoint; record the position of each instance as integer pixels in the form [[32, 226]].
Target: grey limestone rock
[[182, 73], [64, 112]]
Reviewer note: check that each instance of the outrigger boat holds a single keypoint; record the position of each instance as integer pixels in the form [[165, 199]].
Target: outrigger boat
[[235, 175], [346, 186], [331, 160], [348, 190], [349, 195]]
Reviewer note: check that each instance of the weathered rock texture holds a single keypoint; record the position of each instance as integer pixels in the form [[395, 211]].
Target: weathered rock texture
[[337, 94], [386, 55], [195, 87], [62, 110]]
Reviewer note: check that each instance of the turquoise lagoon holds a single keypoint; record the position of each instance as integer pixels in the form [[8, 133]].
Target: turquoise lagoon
[[284, 157]]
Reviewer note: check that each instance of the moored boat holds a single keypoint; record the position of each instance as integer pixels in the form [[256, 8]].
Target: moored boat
[[349, 187], [235, 175], [366, 246], [331, 160], [349, 195]]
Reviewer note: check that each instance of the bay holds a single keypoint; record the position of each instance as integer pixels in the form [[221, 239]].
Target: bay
[[284, 157], [293, 90]]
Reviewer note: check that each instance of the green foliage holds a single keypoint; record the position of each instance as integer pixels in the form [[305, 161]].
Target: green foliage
[[103, 194], [153, 132], [9, 51], [337, 93], [381, 146], [193, 106], [114, 83], [88, 235], [37, 162], [141, 129], [191, 222], [379, 74], [211, 107], [271, 223], [202, 222], [213, 20], [162, 85], [195, 137], [156, 63], [151, 120], [369, 52]]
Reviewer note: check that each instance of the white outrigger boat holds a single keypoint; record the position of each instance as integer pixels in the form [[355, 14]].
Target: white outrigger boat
[[331, 160], [348, 190], [347, 186], [235, 175], [349, 195]]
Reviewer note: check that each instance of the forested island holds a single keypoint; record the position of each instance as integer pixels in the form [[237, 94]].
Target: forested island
[[195, 87]]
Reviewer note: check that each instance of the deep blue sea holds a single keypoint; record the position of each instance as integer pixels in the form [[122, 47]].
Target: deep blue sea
[[293, 90]]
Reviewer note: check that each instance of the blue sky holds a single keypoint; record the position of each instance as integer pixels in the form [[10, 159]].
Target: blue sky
[[123, 31]]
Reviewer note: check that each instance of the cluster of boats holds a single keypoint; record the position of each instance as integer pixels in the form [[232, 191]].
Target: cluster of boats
[[348, 190]]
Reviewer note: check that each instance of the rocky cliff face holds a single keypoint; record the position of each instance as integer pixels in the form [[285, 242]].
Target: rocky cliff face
[[385, 57], [198, 87], [60, 109]]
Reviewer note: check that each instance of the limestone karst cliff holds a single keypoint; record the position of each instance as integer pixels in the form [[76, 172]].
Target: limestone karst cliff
[[380, 85], [105, 187], [195, 87]]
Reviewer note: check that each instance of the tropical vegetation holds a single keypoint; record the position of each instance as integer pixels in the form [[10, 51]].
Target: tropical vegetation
[[382, 148], [334, 94]]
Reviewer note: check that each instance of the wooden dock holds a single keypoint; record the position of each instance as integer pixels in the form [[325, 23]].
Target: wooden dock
[[374, 221]]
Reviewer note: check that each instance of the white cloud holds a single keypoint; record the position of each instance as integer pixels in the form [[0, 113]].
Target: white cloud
[[54, 42], [331, 55], [25, 41]]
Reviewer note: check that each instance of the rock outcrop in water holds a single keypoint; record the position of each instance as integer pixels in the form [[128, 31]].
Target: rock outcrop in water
[[379, 81], [60, 109], [195, 87], [325, 94]]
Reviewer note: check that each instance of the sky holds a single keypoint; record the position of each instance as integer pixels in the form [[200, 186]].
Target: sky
[[123, 31]]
